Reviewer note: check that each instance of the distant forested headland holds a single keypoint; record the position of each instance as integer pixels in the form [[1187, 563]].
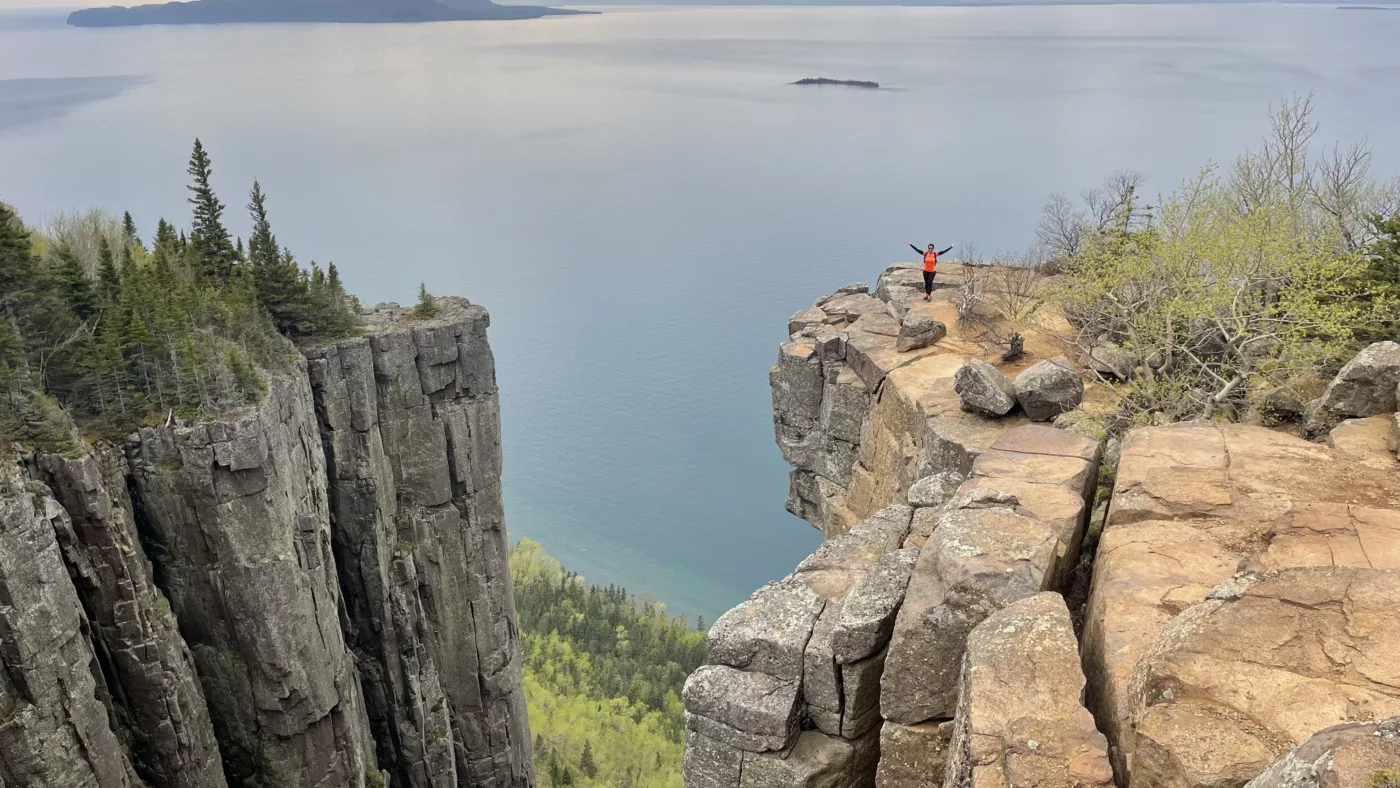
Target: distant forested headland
[[206, 12]]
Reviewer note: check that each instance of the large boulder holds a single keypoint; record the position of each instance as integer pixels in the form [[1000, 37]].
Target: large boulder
[[1351, 755], [1048, 389], [1019, 721], [752, 711], [1366, 386], [983, 390], [768, 632], [867, 614], [918, 330], [1111, 360]]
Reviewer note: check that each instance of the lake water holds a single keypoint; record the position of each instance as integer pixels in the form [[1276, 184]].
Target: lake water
[[641, 200]]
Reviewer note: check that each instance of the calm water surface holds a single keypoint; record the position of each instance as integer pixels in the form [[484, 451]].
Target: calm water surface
[[641, 200]]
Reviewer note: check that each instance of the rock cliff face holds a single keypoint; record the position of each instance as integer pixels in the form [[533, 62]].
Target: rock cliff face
[[410, 423], [1241, 623], [310, 594]]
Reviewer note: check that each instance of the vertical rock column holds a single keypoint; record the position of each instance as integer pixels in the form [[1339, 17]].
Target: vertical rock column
[[53, 729], [154, 692], [239, 531], [411, 425]]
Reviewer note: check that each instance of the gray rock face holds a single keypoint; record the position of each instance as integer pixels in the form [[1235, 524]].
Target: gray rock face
[[1343, 755], [913, 756], [156, 699], [867, 613], [919, 331], [1366, 386], [1048, 389], [983, 390], [240, 523], [54, 729], [410, 422], [768, 632], [935, 490], [749, 710]]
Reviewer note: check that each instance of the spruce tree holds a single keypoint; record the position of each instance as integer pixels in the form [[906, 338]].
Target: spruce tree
[[426, 308], [129, 228], [77, 288], [211, 240], [109, 282], [585, 762]]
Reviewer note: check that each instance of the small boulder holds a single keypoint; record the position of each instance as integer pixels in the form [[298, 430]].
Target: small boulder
[[935, 490], [983, 389], [1048, 389], [1356, 754], [919, 331], [1367, 385], [805, 321], [1112, 360]]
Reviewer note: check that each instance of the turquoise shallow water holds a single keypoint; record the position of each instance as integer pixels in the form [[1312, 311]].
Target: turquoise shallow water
[[641, 200]]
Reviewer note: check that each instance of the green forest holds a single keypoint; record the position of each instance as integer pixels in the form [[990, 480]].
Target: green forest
[[119, 330], [603, 673]]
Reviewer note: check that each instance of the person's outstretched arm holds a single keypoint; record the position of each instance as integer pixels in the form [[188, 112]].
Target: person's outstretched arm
[[949, 249], [916, 249]]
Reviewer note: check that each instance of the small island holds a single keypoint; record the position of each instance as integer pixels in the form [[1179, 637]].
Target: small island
[[850, 83], [209, 12]]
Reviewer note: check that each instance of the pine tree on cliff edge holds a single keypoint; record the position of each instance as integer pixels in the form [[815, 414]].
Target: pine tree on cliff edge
[[212, 243]]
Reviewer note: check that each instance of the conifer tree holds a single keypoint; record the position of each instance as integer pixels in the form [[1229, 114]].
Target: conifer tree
[[109, 283], [426, 308], [77, 288], [129, 228], [585, 763], [210, 239]]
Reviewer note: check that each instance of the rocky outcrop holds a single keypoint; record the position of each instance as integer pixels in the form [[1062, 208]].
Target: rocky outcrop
[[1019, 720], [153, 692], [792, 698], [410, 423], [1011, 531], [54, 726], [238, 520], [859, 418], [1243, 590], [1199, 677], [1352, 755]]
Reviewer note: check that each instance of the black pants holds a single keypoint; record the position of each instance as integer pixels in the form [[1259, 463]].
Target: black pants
[[928, 282]]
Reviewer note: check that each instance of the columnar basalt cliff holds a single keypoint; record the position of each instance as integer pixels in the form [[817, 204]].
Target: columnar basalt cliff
[[311, 593], [410, 422], [1240, 625]]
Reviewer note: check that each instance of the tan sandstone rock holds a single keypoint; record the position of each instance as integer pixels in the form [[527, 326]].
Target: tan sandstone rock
[[1260, 666], [1019, 719], [1193, 505]]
